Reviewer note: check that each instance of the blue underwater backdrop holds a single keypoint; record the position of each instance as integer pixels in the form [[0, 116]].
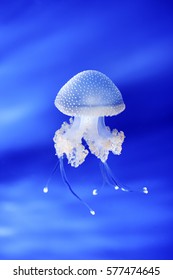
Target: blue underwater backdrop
[[43, 44]]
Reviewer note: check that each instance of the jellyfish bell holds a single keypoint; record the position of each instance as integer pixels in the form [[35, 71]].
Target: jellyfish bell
[[89, 91], [88, 98]]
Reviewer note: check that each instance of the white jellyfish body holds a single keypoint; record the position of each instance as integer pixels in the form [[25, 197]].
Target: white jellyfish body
[[88, 97]]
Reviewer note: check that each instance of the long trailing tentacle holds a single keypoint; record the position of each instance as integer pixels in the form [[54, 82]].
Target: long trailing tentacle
[[108, 178], [111, 179], [63, 174], [45, 189], [107, 174]]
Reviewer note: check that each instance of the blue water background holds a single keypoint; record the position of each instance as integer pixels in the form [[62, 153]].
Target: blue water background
[[42, 45]]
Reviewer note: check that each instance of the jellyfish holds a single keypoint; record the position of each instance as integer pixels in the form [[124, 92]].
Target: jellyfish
[[88, 98]]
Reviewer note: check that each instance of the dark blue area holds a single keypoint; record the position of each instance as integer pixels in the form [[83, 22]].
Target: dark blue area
[[43, 44]]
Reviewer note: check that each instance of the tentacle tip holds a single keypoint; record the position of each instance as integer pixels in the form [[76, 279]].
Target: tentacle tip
[[116, 188], [125, 190], [145, 190], [95, 192], [45, 189], [92, 212]]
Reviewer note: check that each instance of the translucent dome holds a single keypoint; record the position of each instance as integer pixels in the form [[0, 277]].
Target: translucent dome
[[90, 93]]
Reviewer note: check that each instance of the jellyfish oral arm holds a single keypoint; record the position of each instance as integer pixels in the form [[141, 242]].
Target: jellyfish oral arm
[[68, 141], [99, 138]]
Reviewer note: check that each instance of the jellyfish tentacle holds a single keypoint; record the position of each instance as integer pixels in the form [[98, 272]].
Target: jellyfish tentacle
[[107, 178], [110, 179], [45, 189], [64, 176]]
